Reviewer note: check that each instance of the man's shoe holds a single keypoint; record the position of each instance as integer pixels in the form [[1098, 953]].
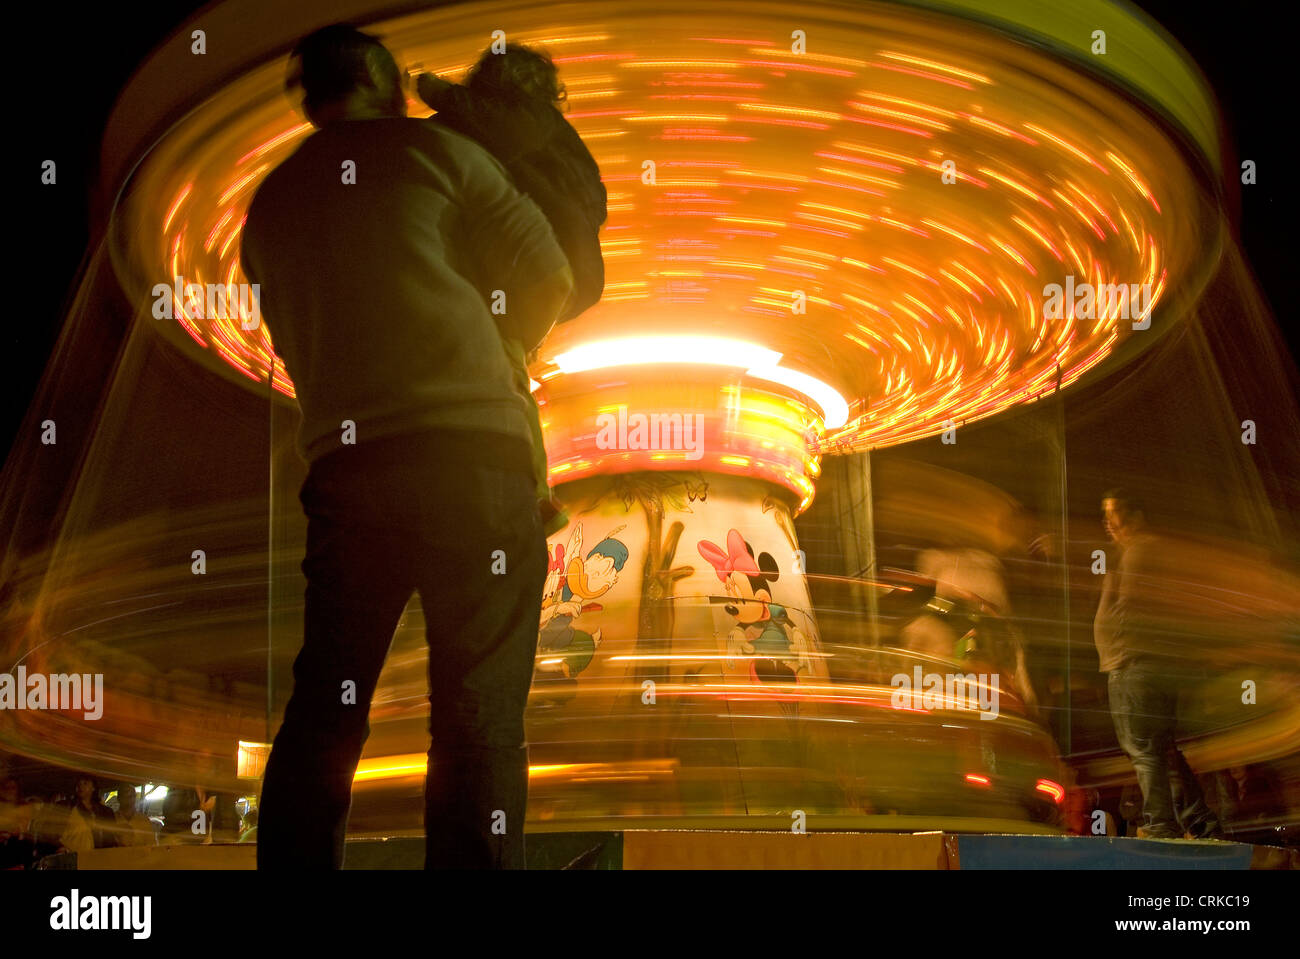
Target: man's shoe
[[1212, 832]]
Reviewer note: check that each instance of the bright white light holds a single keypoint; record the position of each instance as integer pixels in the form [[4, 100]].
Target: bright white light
[[757, 361], [834, 410], [639, 350]]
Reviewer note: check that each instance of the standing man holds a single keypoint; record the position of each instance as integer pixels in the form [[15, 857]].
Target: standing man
[[1144, 677], [377, 247]]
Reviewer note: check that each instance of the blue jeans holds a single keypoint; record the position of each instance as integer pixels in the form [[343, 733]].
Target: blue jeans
[[1144, 708], [426, 512]]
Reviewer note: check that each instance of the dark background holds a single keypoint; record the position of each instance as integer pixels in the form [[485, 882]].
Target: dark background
[[80, 62]]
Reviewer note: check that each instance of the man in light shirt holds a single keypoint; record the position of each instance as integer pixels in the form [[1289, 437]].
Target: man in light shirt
[[1140, 655]]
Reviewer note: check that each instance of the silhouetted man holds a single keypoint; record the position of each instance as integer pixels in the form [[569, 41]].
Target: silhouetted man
[[1144, 676], [376, 247]]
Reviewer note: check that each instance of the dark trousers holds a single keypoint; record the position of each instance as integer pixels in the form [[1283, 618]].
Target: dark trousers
[[1144, 708], [454, 517]]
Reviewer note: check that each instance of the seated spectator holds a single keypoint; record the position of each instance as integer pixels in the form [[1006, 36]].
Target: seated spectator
[[90, 823], [249, 832], [133, 826]]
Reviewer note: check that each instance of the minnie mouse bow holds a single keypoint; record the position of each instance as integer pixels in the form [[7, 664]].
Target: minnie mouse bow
[[736, 558]]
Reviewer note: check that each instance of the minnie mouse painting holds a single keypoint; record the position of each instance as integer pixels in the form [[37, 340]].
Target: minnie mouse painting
[[764, 635]]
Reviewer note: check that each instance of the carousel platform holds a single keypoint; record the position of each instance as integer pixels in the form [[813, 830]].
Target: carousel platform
[[694, 849]]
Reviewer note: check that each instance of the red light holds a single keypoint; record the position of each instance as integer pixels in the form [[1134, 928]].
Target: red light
[[977, 780], [1055, 790]]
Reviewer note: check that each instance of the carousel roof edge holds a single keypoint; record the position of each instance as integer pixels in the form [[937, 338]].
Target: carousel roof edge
[[1141, 56]]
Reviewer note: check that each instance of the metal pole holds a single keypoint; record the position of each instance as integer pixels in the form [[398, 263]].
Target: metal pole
[[270, 553], [869, 511], [1067, 722]]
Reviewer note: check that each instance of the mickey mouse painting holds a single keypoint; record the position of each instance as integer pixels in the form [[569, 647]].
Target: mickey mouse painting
[[764, 635]]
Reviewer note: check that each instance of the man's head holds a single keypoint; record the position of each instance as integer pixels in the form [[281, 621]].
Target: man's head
[[1122, 514], [85, 790], [344, 74], [126, 800]]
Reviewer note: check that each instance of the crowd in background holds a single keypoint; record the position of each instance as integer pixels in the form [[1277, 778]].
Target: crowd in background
[[33, 827]]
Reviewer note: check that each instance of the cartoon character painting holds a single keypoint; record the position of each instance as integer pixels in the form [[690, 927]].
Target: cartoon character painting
[[764, 636], [573, 583]]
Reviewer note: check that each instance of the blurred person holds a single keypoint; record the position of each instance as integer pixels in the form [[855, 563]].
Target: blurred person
[[17, 848], [133, 826], [90, 823], [1251, 803], [1130, 809], [1082, 807], [1035, 581], [220, 820], [961, 573], [15, 815], [248, 830], [1144, 676], [420, 442], [181, 822], [956, 571], [507, 106], [225, 817], [49, 818]]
